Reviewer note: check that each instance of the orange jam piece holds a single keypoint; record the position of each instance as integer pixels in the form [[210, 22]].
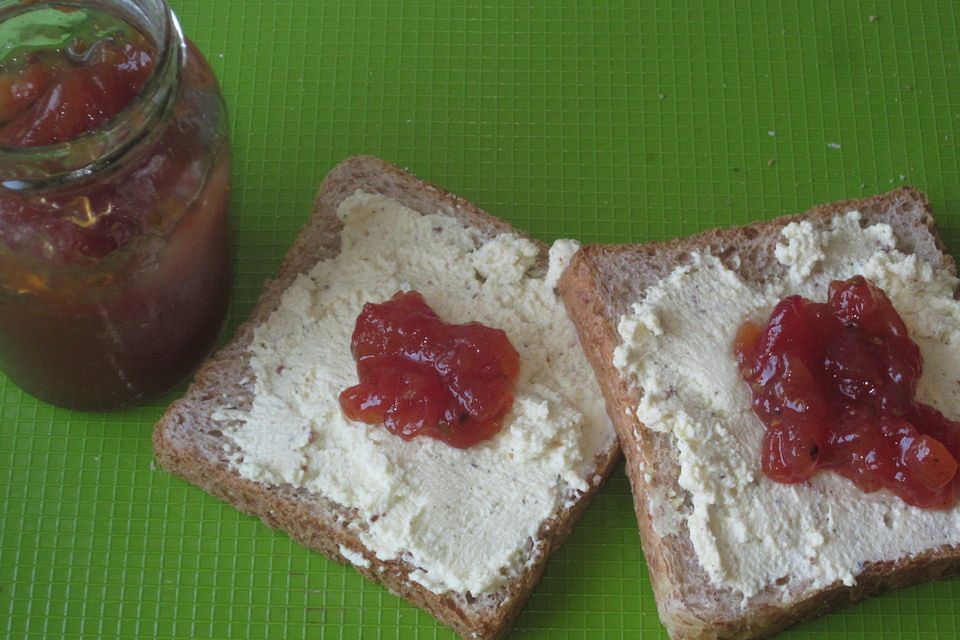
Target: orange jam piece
[[835, 384], [420, 376]]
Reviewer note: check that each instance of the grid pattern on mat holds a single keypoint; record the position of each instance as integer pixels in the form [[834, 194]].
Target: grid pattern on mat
[[615, 121]]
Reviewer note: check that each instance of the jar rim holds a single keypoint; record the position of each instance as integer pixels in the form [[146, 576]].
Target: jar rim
[[28, 168]]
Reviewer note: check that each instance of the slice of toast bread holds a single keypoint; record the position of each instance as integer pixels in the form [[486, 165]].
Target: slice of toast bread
[[599, 287], [189, 443]]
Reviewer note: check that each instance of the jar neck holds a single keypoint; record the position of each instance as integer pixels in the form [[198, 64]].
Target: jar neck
[[102, 149]]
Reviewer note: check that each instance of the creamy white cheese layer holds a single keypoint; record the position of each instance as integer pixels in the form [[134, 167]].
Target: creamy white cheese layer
[[354, 558], [677, 344], [463, 517]]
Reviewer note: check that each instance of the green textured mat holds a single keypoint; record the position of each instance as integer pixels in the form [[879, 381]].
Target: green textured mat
[[593, 120]]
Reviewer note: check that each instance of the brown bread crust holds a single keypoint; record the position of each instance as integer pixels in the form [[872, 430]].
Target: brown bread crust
[[188, 443], [598, 288]]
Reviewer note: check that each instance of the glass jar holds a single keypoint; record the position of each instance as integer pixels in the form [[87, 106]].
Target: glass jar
[[115, 259]]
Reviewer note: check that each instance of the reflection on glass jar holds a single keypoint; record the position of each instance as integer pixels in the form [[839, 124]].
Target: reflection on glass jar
[[115, 263]]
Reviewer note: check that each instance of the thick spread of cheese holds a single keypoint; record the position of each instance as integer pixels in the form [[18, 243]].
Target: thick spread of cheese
[[464, 518], [354, 558], [677, 345]]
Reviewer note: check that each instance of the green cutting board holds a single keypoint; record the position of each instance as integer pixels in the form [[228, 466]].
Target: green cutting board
[[605, 121]]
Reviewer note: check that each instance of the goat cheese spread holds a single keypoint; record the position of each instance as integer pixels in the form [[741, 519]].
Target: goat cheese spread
[[464, 518], [677, 345]]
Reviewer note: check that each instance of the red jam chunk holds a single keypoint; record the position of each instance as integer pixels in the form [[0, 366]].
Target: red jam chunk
[[56, 95], [835, 385], [420, 376]]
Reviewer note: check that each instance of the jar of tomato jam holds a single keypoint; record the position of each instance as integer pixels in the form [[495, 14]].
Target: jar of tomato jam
[[115, 260]]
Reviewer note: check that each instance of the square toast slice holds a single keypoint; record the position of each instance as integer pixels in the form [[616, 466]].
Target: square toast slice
[[600, 286], [190, 443]]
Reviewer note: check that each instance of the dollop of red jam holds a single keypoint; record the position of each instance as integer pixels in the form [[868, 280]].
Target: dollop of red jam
[[53, 96], [835, 385], [420, 376]]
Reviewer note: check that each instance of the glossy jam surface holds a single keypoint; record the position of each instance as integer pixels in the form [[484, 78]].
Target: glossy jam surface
[[420, 376], [55, 95], [834, 383], [115, 286]]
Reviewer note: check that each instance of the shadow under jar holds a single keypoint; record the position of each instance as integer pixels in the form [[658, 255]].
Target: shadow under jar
[[115, 258]]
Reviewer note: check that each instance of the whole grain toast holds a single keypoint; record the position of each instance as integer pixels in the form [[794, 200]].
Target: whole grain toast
[[599, 287], [189, 443]]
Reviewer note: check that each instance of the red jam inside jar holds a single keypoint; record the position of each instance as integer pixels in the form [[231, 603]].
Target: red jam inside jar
[[115, 261], [420, 376], [52, 96], [835, 384]]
